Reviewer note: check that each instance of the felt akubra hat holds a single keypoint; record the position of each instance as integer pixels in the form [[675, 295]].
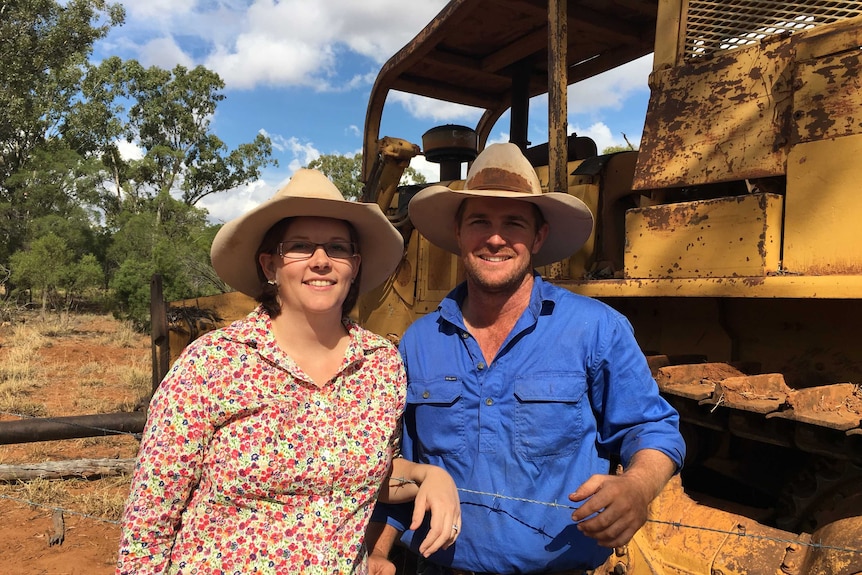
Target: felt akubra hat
[[308, 193], [502, 171]]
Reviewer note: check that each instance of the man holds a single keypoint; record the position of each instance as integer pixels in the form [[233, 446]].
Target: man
[[525, 392]]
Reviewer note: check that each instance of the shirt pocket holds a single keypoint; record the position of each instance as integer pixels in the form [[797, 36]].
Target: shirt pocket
[[549, 414], [437, 408]]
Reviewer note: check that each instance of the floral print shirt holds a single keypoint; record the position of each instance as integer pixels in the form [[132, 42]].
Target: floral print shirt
[[246, 466]]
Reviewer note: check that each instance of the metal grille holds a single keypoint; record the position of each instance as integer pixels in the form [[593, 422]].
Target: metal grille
[[715, 25]]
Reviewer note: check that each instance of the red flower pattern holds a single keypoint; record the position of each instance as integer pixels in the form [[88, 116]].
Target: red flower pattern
[[246, 466]]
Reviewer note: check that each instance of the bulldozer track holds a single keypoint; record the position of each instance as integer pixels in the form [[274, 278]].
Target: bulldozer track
[[794, 453]]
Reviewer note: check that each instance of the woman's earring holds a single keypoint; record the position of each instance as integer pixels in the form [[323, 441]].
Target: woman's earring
[[272, 283]]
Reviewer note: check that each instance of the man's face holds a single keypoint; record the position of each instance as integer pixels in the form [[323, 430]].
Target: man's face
[[498, 237]]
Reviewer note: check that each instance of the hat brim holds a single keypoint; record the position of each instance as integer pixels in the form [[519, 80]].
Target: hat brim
[[570, 221], [236, 243]]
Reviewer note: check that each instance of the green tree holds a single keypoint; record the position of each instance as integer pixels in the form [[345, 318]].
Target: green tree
[[50, 266], [345, 172], [629, 147], [170, 119], [42, 53], [615, 149], [174, 243], [44, 45], [61, 122]]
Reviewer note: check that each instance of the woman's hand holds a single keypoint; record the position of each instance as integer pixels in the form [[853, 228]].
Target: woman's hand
[[439, 495]]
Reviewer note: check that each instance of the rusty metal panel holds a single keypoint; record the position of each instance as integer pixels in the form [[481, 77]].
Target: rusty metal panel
[[823, 208], [828, 101], [725, 237], [437, 274], [719, 119]]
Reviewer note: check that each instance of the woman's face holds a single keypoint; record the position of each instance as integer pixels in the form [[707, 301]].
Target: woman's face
[[314, 265]]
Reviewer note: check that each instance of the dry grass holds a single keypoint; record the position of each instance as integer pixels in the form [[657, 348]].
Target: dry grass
[[76, 495], [21, 373], [125, 336], [62, 365], [50, 325], [73, 365], [140, 382]]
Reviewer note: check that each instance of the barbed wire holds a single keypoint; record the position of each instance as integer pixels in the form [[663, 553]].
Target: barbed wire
[[739, 532], [60, 509]]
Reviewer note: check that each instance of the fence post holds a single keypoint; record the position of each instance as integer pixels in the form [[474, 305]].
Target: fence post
[[159, 337]]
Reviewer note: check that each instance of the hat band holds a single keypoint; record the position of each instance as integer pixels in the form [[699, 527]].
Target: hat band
[[497, 179]]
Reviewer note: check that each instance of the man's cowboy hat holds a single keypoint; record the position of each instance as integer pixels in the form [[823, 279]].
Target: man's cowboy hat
[[502, 171], [308, 193]]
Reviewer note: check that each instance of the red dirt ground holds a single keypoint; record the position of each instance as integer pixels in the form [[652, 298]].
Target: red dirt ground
[[78, 373]]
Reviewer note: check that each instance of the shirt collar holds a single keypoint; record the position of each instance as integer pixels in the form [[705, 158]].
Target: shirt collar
[[256, 333], [542, 301]]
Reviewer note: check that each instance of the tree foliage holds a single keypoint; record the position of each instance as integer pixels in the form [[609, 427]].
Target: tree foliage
[[50, 266], [74, 212], [618, 148], [346, 171], [44, 47]]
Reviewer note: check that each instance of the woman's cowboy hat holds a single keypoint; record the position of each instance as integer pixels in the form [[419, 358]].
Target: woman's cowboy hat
[[308, 193], [502, 171]]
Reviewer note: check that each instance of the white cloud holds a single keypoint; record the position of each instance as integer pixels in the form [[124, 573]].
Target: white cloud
[[601, 135], [129, 150], [304, 152], [225, 206], [435, 110], [165, 53], [430, 170], [161, 11], [270, 42], [611, 89]]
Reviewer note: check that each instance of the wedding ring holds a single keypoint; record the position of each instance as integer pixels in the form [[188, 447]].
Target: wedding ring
[[455, 528]]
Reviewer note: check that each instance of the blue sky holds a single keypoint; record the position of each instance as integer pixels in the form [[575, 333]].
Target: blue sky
[[300, 71]]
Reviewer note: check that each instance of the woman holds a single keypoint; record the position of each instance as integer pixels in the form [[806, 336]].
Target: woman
[[268, 442]]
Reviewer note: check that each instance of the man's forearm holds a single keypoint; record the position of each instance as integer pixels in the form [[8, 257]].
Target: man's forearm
[[380, 538], [653, 469]]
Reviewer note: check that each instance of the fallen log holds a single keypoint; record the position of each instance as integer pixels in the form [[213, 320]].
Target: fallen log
[[83, 468]]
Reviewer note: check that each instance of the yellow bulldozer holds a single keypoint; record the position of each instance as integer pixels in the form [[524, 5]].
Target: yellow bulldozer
[[731, 239]]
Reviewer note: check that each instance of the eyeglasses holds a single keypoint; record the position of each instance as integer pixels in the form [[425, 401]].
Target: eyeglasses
[[302, 250]]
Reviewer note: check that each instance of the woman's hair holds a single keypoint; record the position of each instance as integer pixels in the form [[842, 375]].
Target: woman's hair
[[268, 294]]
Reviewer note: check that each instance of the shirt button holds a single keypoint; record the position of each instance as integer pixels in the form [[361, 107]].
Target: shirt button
[[481, 366], [425, 395], [489, 401], [464, 335]]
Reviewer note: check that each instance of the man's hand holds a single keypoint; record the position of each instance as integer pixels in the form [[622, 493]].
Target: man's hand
[[616, 505], [379, 538], [380, 565]]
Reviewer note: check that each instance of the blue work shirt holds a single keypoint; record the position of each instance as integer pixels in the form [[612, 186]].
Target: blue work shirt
[[568, 391]]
